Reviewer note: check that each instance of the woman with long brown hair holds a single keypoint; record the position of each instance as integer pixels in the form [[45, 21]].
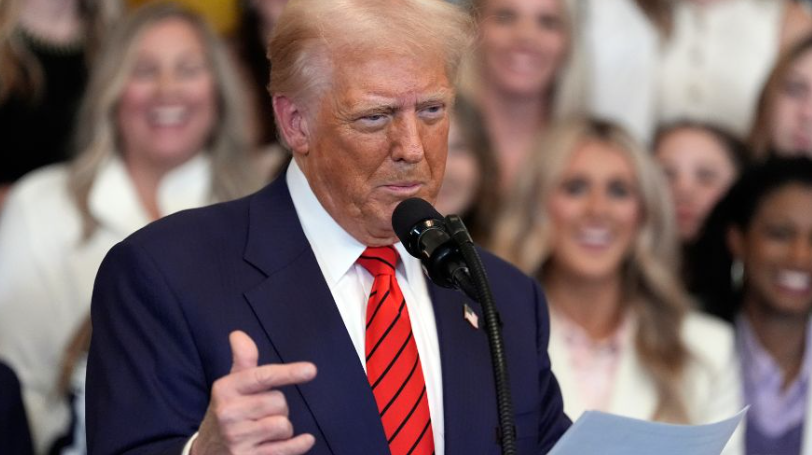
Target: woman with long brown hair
[[589, 216]]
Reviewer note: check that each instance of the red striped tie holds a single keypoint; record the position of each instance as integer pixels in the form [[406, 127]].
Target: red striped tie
[[393, 365]]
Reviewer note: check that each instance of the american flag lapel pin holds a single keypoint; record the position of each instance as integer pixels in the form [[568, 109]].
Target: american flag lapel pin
[[470, 316]]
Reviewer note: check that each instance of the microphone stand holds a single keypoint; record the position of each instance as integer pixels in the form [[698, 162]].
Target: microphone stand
[[507, 428]]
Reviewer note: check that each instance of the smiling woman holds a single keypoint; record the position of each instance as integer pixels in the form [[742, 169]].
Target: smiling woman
[[764, 227], [513, 76], [160, 131], [589, 216]]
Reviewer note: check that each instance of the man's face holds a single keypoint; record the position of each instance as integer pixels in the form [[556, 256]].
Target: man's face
[[379, 137]]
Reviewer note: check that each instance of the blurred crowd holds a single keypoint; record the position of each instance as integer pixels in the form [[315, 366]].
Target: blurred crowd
[[648, 161]]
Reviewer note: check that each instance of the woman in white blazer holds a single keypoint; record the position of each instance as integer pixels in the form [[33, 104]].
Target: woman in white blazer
[[762, 231], [593, 214]]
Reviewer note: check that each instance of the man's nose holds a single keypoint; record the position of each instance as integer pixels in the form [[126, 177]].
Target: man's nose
[[407, 142]]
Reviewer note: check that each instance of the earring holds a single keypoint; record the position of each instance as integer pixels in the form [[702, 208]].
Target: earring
[[737, 273]]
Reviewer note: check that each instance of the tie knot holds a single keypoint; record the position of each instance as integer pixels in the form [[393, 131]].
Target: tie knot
[[379, 260]]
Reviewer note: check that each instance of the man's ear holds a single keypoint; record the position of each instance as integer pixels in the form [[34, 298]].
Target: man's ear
[[292, 124]]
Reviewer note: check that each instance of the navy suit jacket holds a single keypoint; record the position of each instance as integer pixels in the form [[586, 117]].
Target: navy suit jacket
[[166, 299], [15, 437]]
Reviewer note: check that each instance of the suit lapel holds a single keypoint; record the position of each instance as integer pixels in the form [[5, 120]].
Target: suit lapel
[[469, 401], [297, 311]]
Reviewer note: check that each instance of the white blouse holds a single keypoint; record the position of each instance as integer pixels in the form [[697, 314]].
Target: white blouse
[[716, 61], [47, 270], [619, 50]]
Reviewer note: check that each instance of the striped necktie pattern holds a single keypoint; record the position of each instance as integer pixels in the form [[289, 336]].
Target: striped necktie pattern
[[393, 364]]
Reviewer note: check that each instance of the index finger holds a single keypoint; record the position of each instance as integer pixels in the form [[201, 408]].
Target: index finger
[[266, 377]]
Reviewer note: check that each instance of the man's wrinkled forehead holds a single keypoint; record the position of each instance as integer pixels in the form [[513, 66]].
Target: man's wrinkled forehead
[[398, 79]]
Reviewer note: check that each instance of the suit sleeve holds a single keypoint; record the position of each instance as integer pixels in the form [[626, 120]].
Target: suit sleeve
[[553, 422], [15, 437], [146, 388]]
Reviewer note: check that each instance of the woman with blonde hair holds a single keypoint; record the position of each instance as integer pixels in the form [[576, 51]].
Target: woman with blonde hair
[[46, 49], [161, 130], [590, 217], [513, 77]]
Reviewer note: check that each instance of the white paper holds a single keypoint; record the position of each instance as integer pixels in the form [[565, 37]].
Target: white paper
[[607, 434]]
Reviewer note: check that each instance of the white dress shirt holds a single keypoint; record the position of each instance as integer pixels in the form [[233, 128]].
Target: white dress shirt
[[350, 283]]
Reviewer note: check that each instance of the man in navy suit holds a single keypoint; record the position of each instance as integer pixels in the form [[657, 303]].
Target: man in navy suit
[[209, 326]]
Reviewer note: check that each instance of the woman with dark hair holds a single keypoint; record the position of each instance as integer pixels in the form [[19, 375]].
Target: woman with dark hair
[[46, 48], [257, 19], [250, 44], [701, 161], [756, 256], [470, 182]]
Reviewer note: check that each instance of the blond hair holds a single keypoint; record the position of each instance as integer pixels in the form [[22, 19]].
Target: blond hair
[[97, 133], [650, 285], [20, 71], [564, 96], [310, 32]]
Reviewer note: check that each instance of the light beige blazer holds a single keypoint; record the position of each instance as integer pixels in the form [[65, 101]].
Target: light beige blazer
[[712, 385]]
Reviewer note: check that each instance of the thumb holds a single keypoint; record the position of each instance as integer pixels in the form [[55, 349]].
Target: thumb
[[243, 350]]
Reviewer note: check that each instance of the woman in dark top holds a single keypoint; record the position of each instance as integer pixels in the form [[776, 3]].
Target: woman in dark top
[[45, 48]]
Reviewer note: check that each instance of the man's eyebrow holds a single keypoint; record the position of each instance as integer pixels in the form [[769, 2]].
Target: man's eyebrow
[[391, 105]]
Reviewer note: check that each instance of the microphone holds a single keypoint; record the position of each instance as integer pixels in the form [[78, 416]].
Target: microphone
[[446, 250], [423, 233]]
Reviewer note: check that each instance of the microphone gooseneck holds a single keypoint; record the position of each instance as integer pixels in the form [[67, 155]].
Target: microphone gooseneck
[[450, 259]]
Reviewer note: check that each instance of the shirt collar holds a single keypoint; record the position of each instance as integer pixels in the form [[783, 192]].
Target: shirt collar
[[759, 366], [335, 248], [114, 201]]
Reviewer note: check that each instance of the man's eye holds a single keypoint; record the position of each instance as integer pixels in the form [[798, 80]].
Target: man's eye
[[373, 120], [433, 111]]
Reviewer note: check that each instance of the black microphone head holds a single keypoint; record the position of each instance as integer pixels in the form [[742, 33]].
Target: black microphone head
[[409, 213]]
